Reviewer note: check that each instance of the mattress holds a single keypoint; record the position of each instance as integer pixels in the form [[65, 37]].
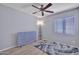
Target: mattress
[[56, 48]]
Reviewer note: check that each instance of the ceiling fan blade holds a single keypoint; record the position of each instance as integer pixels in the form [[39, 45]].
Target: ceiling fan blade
[[35, 12], [47, 6], [42, 13], [49, 11], [35, 7]]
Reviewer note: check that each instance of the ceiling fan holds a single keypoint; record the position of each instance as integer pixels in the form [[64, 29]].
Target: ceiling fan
[[42, 9]]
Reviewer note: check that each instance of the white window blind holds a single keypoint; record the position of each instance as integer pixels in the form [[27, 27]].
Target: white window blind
[[65, 25], [59, 26], [70, 25]]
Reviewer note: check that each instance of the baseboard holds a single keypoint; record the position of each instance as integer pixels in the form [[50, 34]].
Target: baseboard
[[7, 48]]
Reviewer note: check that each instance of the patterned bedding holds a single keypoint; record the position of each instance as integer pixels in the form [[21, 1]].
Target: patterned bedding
[[55, 48]]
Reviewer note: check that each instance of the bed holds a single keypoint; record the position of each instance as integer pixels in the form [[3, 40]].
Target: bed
[[56, 48]]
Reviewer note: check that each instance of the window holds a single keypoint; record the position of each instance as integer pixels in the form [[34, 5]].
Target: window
[[58, 26], [65, 25]]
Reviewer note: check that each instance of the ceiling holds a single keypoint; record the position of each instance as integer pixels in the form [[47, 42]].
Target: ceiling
[[27, 7]]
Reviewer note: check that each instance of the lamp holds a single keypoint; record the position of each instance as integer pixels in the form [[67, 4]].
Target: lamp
[[40, 23]]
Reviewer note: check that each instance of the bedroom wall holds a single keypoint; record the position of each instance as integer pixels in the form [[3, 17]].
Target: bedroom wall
[[11, 22], [49, 28]]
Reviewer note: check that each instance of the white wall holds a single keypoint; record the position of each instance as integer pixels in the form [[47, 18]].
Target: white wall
[[11, 22], [49, 32]]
